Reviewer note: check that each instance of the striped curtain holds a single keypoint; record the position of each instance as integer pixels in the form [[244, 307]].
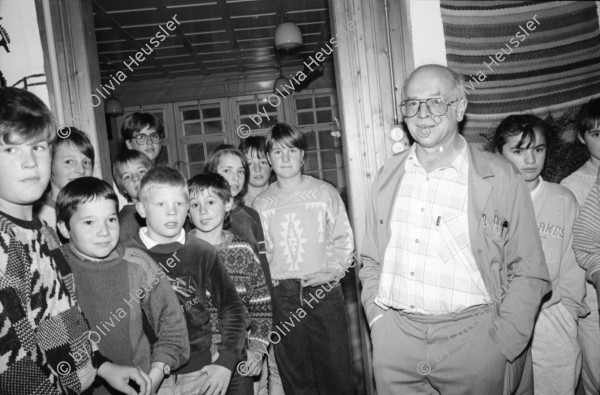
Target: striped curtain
[[522, 56]]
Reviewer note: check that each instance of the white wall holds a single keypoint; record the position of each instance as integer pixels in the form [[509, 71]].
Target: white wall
[[427, 32], [26, 56]]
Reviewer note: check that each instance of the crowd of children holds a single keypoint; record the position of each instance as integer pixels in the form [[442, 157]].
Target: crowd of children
[[173, 286]]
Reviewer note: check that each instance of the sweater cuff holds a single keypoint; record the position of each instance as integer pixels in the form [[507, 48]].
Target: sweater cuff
[[227, 359], [99, 359]]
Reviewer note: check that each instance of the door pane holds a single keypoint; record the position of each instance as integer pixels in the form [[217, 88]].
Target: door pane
[[214, 112], [213, 127], [194, 128], [195, 152]]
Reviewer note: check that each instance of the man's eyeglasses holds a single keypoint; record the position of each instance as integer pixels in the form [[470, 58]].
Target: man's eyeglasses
[[142, 139], [436, 106]]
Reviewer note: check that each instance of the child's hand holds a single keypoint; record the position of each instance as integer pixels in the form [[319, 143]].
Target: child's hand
[[156, 376], [252, 366], [118, 377], [318, 278], [217, 380]]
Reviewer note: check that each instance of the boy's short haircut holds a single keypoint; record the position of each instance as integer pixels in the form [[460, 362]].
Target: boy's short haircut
[[161, 176], [254, 145], [134, 123], [213, 182], [285, 135], [128, 157], [589, 116], [77, 139], [24, 117], [212, 163], [79, 191]]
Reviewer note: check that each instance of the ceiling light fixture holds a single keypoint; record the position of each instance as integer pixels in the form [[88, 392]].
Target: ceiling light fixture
[[113, 106], [279, 86], [287, 35]]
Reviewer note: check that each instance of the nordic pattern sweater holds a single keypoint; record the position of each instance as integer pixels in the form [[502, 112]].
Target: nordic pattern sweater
[[243, 267]]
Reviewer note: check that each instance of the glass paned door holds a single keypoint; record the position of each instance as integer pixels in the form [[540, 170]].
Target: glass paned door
[[201, 127], [314, 114]]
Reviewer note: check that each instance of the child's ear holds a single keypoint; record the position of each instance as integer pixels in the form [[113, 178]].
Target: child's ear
[[141, 209], [580, 137], [128, 144], [229, 205], [62, 228]]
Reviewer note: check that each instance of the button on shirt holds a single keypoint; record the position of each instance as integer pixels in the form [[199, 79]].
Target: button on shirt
[[428, 266]]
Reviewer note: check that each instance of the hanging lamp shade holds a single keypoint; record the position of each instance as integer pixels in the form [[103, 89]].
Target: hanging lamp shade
[[113, 107], [288, 36], [280, 84]]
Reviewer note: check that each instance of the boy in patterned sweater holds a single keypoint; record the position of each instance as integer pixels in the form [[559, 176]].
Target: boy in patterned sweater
[[210, 204], [309, 246], [45, 345]]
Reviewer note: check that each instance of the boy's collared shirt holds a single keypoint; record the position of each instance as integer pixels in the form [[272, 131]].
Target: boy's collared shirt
[[149, 243]]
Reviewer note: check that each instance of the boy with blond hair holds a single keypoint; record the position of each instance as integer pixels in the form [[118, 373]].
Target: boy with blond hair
[[193, 267]]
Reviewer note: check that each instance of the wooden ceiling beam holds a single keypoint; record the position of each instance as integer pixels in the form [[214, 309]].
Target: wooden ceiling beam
[[162, 8], [127, 36], [235, 47]]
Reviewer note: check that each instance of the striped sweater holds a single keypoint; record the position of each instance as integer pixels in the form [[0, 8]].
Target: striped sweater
[[44, 338], [586, 233]]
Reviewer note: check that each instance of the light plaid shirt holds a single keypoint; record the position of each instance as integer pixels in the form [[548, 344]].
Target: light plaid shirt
[[428, 266]]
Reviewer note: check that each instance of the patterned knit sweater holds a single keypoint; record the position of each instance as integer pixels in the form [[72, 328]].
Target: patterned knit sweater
[[306, 229], [586, 233], [44, 338], [243, 267], [245, 222]]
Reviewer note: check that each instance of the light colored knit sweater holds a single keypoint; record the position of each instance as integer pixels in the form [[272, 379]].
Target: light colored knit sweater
[[555, 212], [306, 229]]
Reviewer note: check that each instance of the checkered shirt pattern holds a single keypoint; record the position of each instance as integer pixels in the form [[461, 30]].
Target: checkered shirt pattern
[[428, 266]]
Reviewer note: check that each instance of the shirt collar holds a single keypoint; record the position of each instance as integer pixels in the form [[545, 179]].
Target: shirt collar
[[459, 163], [536, 191], [149, 243]]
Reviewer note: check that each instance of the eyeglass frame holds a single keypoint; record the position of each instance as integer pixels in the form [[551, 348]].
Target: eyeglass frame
[[145, 137], [421, 101]]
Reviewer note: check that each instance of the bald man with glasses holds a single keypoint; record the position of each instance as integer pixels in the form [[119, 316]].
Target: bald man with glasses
[[453, 270]]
